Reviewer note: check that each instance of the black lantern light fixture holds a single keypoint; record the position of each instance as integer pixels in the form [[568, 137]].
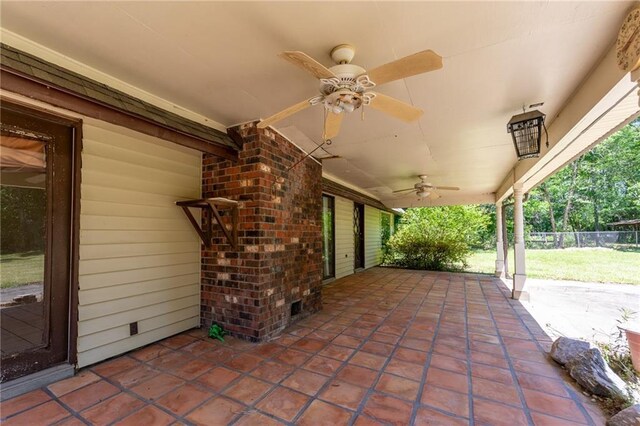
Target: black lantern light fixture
[[526, 131]]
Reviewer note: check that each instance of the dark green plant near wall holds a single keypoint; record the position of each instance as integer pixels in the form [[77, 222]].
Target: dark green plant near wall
[[436, 238], [217, 332]]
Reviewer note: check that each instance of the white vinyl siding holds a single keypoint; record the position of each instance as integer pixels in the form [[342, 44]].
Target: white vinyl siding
[[372, 237], [139, 256], [344, 236]]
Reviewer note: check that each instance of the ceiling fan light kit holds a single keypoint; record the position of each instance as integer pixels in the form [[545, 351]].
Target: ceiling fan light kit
[[346, 87]]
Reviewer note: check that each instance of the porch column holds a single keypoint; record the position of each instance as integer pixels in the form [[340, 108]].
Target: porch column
[[635, 77], [519, 277], [499, 246]]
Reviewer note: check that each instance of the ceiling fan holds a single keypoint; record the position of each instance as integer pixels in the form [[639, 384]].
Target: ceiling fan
[[425, 189], [345, 87]]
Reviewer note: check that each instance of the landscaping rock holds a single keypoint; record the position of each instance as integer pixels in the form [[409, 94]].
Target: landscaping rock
[[591, 371], [564, 349], [627, 417]]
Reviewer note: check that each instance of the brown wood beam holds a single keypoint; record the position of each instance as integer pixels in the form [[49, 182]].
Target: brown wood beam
[[15, 82]]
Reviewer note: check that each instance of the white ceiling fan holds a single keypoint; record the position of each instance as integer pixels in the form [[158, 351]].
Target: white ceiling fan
[[425, 189], [345, 87]]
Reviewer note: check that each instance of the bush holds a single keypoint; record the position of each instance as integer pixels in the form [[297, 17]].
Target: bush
[[436, 238]]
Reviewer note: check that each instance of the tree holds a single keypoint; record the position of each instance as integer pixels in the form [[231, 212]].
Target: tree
[[436, 238], [22, 219], [601, 186]]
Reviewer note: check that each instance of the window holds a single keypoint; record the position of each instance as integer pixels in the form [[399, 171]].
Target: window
[[328, 237]]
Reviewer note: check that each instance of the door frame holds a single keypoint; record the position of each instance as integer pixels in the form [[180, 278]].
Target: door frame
[[333, 236], [361, 255], [74, 239]]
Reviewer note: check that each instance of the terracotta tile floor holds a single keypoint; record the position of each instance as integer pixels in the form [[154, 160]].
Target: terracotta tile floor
[[390, 347]]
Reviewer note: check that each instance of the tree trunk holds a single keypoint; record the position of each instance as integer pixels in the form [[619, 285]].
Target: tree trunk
[[547, 198], [567, 207]]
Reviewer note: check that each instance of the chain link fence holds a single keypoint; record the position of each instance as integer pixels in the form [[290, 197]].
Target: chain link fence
[[609, 239]]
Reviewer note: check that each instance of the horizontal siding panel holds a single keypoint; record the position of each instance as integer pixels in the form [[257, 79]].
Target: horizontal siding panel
[[344, 236], [136, 302], [101, 208], [134, 171], [167, 186], [139, 255], [123, 196], [120, 342], [128, 237], [142, 144], [118, 223], [99, 266], [109, 251], [109, 279], [372, 237], [96, 325], [123, 291], [146, 159]]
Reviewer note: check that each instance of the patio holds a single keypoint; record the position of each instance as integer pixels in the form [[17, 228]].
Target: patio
[[390, 347]]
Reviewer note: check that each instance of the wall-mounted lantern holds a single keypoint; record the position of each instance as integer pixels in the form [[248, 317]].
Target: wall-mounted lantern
[[526, 129]]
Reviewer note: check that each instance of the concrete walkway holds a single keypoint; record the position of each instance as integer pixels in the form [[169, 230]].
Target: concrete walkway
[[579, 309]]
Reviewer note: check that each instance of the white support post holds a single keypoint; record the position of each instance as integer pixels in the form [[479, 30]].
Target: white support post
[[499, 247], [520, 275]]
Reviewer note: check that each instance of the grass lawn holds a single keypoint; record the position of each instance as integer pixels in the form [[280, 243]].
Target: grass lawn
[[18, 269], [585, 264]]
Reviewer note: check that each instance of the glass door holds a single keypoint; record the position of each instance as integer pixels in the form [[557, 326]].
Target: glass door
[[35, 205], [328, 238]]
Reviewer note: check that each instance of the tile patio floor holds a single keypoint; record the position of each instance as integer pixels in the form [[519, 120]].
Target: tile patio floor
[[390, 347]]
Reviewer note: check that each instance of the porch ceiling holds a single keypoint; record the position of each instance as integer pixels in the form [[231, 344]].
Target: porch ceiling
[[219, 60]]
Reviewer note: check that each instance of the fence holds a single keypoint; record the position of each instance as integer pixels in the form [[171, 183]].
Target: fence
[[549, 240]]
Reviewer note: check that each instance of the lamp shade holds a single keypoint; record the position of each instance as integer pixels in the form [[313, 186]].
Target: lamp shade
[[526, 130]]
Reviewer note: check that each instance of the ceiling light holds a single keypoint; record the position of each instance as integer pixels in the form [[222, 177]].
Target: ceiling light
[[525, 130]]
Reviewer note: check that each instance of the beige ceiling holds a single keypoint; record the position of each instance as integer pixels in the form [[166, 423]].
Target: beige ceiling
[[219, 59]]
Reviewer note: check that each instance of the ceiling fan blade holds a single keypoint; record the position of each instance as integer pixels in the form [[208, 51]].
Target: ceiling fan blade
[[418, 63], [396, 108], [403, 190], [284, 113], [307, 63], [332, 125], [447, 188]]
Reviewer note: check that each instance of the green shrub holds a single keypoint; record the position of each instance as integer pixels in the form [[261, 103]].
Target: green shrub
[[436, 238]]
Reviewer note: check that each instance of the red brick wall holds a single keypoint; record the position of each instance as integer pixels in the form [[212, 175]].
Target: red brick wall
[[249, 291]]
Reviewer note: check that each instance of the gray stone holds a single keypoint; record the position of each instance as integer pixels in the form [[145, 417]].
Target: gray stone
[[628, 417], [591, 371], [564, 349]]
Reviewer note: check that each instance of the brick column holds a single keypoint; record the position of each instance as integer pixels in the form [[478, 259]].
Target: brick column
[[279, 257]]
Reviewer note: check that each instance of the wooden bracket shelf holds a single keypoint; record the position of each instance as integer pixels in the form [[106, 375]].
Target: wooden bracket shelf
[[214, 205]]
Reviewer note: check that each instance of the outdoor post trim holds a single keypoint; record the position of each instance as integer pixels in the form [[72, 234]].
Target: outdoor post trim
[[520, 275], [499, 248]]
